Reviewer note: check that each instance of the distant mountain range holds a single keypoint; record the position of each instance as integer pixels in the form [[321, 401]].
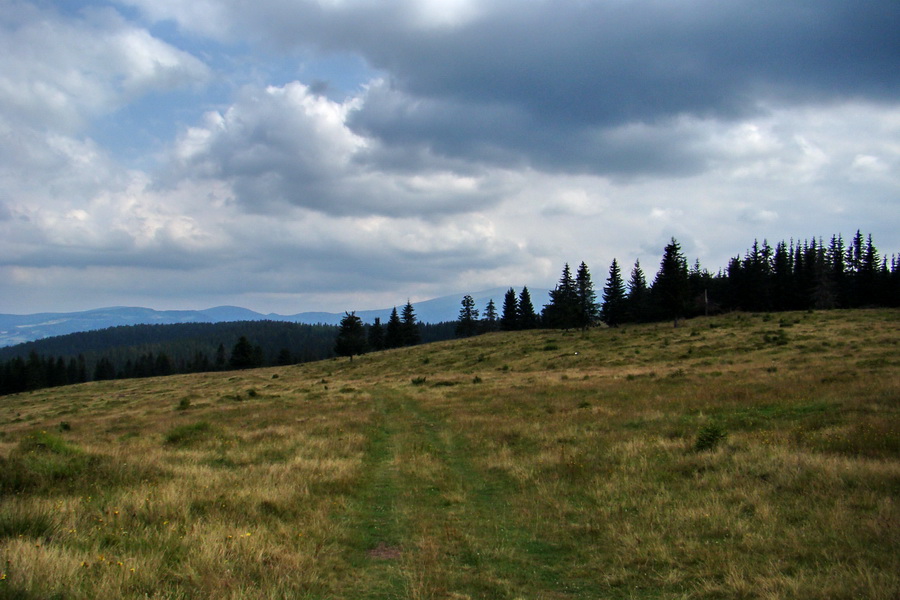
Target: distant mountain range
[[18, 329]]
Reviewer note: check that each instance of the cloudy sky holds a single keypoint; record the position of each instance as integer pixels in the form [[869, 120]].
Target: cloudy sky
[[293, 155]]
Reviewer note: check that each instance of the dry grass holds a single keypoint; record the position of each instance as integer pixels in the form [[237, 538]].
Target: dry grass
[[522, 465]]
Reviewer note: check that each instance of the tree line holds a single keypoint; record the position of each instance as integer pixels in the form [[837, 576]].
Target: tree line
[[789, 276]]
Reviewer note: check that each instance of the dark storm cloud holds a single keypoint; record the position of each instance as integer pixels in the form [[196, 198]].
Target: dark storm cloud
[[510, 137], [545, 82]]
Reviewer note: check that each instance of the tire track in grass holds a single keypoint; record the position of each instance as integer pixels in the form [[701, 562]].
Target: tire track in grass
[[374, 527], [426, 523]]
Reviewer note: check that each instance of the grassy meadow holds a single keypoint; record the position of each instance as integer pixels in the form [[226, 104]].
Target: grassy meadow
[[738, 456]]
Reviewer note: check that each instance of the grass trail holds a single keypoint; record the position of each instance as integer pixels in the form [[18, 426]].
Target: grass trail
[[427, 523]]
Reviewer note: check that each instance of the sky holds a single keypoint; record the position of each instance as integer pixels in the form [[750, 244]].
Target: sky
[[298, 155]]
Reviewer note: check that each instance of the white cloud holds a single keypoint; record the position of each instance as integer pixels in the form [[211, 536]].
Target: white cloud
[[285, 146], [60, 72]]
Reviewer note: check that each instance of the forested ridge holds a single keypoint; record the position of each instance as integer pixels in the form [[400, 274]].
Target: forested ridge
[[154, 350], [805, 275]]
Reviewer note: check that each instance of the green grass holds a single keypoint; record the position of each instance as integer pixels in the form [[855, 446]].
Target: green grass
[[721, 459]]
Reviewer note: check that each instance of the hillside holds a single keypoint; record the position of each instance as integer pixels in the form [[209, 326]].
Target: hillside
[[741, 456]]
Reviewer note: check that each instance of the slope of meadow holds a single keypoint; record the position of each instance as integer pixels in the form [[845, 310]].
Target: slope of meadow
[[741, 456]]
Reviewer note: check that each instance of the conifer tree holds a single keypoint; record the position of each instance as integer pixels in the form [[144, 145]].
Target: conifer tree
[[836, 267], [509, 319], [869, 270], [823, 294], [614, 309], [351, 337], [489, 317], [670, 288], [700, 281], [587, 298], [467, 323], [526, 316], [242, 355], [563, 310], [638, 295], [393, 334], [782, 277], [410, 331], [376, 335]]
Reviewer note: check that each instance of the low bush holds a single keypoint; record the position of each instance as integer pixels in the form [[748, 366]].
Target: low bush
[[709, 437]]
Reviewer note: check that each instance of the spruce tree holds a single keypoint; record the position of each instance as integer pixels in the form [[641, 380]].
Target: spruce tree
[[835, 257], [869, 270], [526, 316], [638, 295], [242, 354], [823, 294], [376, 335], [509, 319], [467, 323], [783, 277], [351, 337], [587, 298], [615, 307], [670, 288], [410, 331], [563, 310], [700, 281], [393, 334], [489, 317]]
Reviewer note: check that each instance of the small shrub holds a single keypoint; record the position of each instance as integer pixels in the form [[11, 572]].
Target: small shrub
[[476, 379], [418, 381], [184, 404], [709, 437], [252, 392], [65, 426]]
